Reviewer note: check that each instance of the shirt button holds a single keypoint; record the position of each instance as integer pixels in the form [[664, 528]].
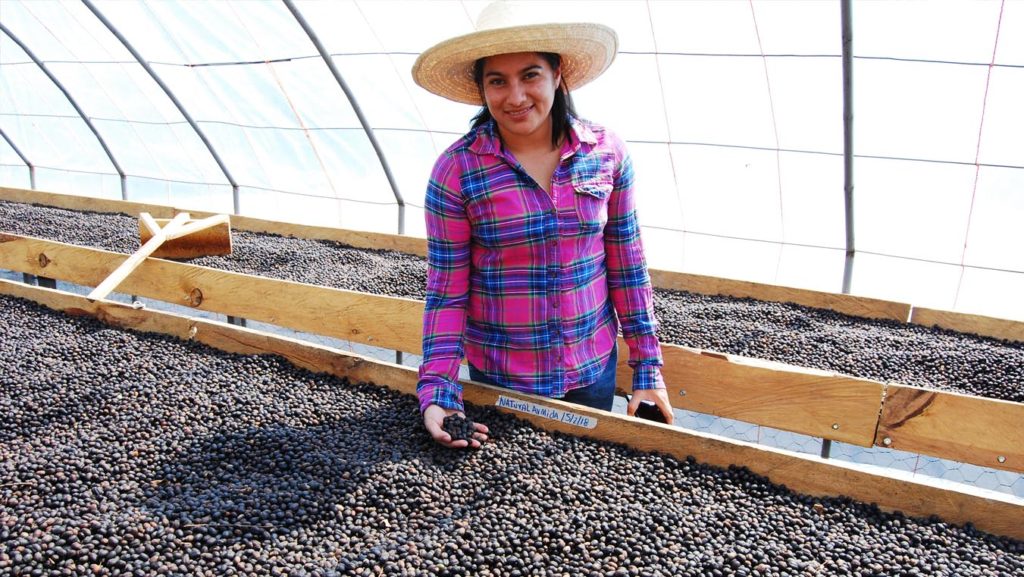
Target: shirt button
[[555, 304]]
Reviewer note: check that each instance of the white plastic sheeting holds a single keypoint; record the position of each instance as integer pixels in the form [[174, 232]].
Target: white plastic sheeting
[[732, 109]]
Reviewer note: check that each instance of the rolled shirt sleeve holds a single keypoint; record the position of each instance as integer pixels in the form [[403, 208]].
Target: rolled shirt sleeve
[[447, 293]]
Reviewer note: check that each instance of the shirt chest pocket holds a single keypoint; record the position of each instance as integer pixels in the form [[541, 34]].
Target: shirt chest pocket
[[502, 216], [591, 199]]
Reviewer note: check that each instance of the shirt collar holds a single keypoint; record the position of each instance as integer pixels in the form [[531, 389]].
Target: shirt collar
[[579, 135], [486, 141], [583, 132]]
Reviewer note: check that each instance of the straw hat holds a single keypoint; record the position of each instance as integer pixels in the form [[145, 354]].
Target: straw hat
[[446, 69]]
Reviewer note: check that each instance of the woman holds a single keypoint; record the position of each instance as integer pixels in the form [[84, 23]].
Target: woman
[[534, 252]]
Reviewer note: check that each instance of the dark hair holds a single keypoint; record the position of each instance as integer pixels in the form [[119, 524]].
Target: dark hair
[[562, 109]]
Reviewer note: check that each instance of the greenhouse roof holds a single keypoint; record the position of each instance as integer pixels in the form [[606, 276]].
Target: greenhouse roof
[[305, 111]]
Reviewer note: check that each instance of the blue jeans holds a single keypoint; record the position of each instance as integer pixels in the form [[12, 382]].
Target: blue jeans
[[599, 395]]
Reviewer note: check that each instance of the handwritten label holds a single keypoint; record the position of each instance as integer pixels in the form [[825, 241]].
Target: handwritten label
[[546, 412]]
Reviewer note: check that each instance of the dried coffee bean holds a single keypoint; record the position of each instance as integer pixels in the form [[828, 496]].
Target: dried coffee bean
[[128, 453]]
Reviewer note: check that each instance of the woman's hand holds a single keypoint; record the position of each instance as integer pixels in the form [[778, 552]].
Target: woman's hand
[[657, 396], [433, 419]]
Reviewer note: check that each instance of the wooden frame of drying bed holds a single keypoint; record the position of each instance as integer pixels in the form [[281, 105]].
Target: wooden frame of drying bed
[[989, 511], [962, 428]]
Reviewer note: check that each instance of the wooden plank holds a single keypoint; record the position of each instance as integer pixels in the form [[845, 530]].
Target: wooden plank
[[358, 239], [84, 203], [806, 401], [114, 314], [966, 323], [389, 322], [764, 393], [961, 428], [847, 304], [989, 511], [222, 336]]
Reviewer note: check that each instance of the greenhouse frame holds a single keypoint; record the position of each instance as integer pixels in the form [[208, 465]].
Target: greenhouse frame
[[767, 147], [213, 288]]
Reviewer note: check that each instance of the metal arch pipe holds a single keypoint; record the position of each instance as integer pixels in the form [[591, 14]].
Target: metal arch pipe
[[353, 101], [31, 167], [74, 104], [170, 94], [847, 24]]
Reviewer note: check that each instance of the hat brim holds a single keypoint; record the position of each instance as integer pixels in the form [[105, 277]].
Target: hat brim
[[446, 69]]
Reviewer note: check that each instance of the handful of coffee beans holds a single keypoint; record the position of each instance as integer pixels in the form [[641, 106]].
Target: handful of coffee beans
[[459, 427]]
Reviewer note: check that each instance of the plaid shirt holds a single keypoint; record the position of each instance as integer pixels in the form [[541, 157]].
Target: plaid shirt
[[526, 285]]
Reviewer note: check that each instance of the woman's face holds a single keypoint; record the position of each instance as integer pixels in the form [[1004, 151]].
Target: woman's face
[[519, 89]]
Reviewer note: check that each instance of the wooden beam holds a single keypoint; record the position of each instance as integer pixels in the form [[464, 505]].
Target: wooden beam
[[989, 511], [966, 323], [85, 203], [806, 401], [846, 304], [388, 322], [966, 429], [760, 392], [358, 239], [114, 314]]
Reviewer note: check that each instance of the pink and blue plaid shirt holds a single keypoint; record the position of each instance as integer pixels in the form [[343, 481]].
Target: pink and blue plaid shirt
[[531, 288]]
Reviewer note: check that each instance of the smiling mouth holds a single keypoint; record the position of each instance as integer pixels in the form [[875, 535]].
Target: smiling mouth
[[519, 113]]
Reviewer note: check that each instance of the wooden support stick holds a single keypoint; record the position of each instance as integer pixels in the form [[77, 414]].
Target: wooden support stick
[[150, 223], [120, 273]]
